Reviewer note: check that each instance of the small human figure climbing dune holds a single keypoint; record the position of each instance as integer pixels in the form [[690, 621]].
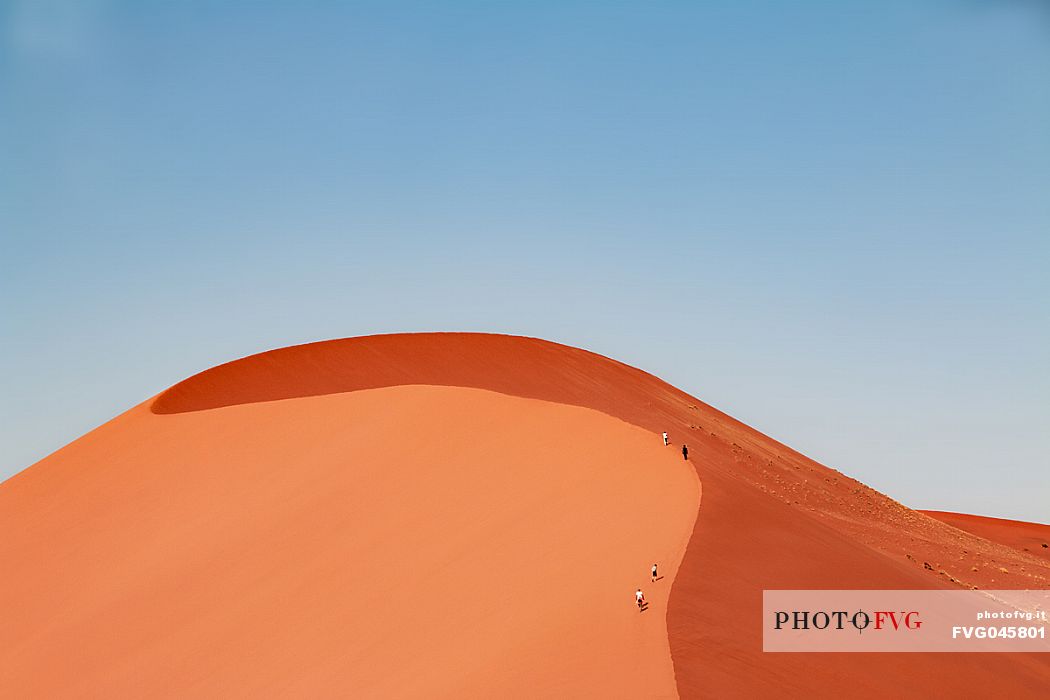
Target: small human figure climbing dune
[[666, 443], [640, 599], [654, 572], [685, 451]]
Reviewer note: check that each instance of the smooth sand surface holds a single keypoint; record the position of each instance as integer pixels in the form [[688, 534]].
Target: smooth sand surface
[[414, 541], [1033, 538], [770, 517]]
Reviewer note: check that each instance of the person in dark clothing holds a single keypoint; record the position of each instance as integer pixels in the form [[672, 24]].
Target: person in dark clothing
[[685, 451]]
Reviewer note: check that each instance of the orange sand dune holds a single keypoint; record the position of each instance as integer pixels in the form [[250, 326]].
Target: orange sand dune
[[409, 541], [1033, 538], [218, 541]]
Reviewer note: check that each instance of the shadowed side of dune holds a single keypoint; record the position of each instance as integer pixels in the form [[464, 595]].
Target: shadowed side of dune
[[512, 365]]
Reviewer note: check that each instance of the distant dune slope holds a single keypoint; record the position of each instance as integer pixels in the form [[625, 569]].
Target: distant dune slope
[[1033, 538], [770, 517], [412, 541]]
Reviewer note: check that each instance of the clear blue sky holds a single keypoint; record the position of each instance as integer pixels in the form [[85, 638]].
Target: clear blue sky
[[830, 219]]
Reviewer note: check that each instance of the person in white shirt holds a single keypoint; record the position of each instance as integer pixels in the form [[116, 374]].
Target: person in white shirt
[[666, 443], [639, 598]]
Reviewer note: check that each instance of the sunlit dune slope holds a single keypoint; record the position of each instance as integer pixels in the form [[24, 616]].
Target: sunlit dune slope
[[412, 541], [769, 518]]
